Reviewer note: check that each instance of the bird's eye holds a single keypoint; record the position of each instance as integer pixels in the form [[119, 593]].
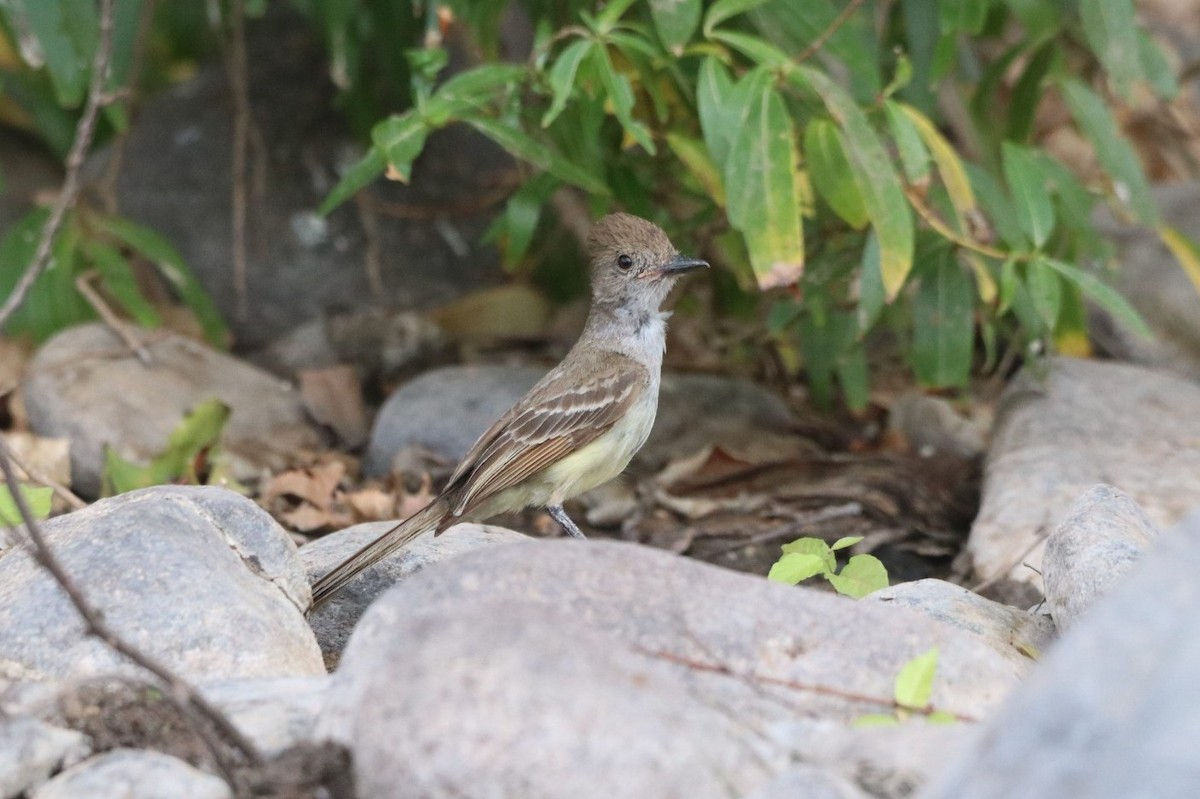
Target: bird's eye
[[625, 262]]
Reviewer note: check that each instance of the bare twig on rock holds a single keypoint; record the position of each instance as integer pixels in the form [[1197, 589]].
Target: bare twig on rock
[[205, 715], [114, 322], [97, 98]]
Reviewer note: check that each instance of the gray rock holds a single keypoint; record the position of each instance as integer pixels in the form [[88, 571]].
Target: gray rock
[[1018, 635], [524, 701], [273, 713], [30, 751], [446, 409], [335, 620], [174, 178], [1152, 280], [809, 782], [1082, 423], [1103, 535], [201, 578], [85, 385], [883, 762], [1112, 712], [134, 774], [528, 669]]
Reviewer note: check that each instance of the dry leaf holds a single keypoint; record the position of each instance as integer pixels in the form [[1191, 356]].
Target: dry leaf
[[315, 485], [372, 504], [333, 397], [47, 457]]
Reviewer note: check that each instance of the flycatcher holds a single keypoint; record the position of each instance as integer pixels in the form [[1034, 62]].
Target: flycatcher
[[583, 422]]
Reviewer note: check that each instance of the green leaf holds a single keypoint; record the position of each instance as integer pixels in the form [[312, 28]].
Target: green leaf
[[997, 206], [914, 682], [1035, 213], [846, 541], [562, 77], [619, 93], [1045, 289], [528, 149], [369, 167], [877, 179], [943, 329], [853, 374], [830, 172], [522, 212], [812, 546], [716, 108], [1027, 93], [66, 32], [171, 266], [794, 26], [38, 499], [116, 274], [1009, 283], [197, 433], [675, 21], [1111, 30], [913, 154], [1113, 150], [966, 16], [477, 84], [611, 14], [862, 575], [761, 177], [761, 53], [1103, 295], [726, 9], [1156, 68], [795, 567], [400, 139], [872, 297], [695, 156]]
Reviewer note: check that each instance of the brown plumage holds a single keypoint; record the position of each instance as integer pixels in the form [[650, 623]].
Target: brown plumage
[[582, 422]]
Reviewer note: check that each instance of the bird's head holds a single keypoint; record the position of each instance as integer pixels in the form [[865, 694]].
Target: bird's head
[[634, 264]]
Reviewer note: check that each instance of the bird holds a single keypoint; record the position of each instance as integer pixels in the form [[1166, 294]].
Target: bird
[[582, 423]]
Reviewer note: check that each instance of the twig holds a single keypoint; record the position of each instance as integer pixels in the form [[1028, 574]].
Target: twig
[[235, 67], [819, 42], [37, 476], [114, 322], [97, 97], [371, 258], [988, 582], [95, 624], [944, 230], [795, 685]]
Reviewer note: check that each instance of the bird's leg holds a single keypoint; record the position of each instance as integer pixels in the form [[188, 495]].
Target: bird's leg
[[559, 515]]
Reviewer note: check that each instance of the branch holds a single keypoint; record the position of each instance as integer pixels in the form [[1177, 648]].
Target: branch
[[720, 668], [95, 624], [237, 71], [819, 42], [97, 98]]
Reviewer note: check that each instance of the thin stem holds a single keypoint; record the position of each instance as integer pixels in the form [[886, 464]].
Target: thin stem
[[96, 625], [97, 98]]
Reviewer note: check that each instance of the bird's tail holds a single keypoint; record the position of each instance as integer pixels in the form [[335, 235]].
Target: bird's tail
[[422, 521]]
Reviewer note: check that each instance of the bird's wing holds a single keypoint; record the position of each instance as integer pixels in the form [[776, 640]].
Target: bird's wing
[[555, 419]]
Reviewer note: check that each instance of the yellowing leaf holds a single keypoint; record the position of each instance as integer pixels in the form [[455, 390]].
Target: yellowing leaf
[[1186, 251]]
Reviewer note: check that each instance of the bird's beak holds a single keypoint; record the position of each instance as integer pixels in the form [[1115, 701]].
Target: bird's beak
[[680, 264]]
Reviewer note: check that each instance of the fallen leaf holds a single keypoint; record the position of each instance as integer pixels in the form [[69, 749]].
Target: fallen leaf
[[372, 504], [305, 517], [48, 457], [333, 397], [315, 485]]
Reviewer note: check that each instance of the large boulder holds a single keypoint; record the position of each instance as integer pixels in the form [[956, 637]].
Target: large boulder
[[85, 385], [1061, 431], [556, 668], [200, 578]]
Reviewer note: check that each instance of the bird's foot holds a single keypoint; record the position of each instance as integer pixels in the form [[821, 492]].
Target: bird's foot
[[559, 515]]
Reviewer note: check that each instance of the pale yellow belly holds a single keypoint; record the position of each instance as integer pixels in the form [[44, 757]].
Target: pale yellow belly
[[604, 458]]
